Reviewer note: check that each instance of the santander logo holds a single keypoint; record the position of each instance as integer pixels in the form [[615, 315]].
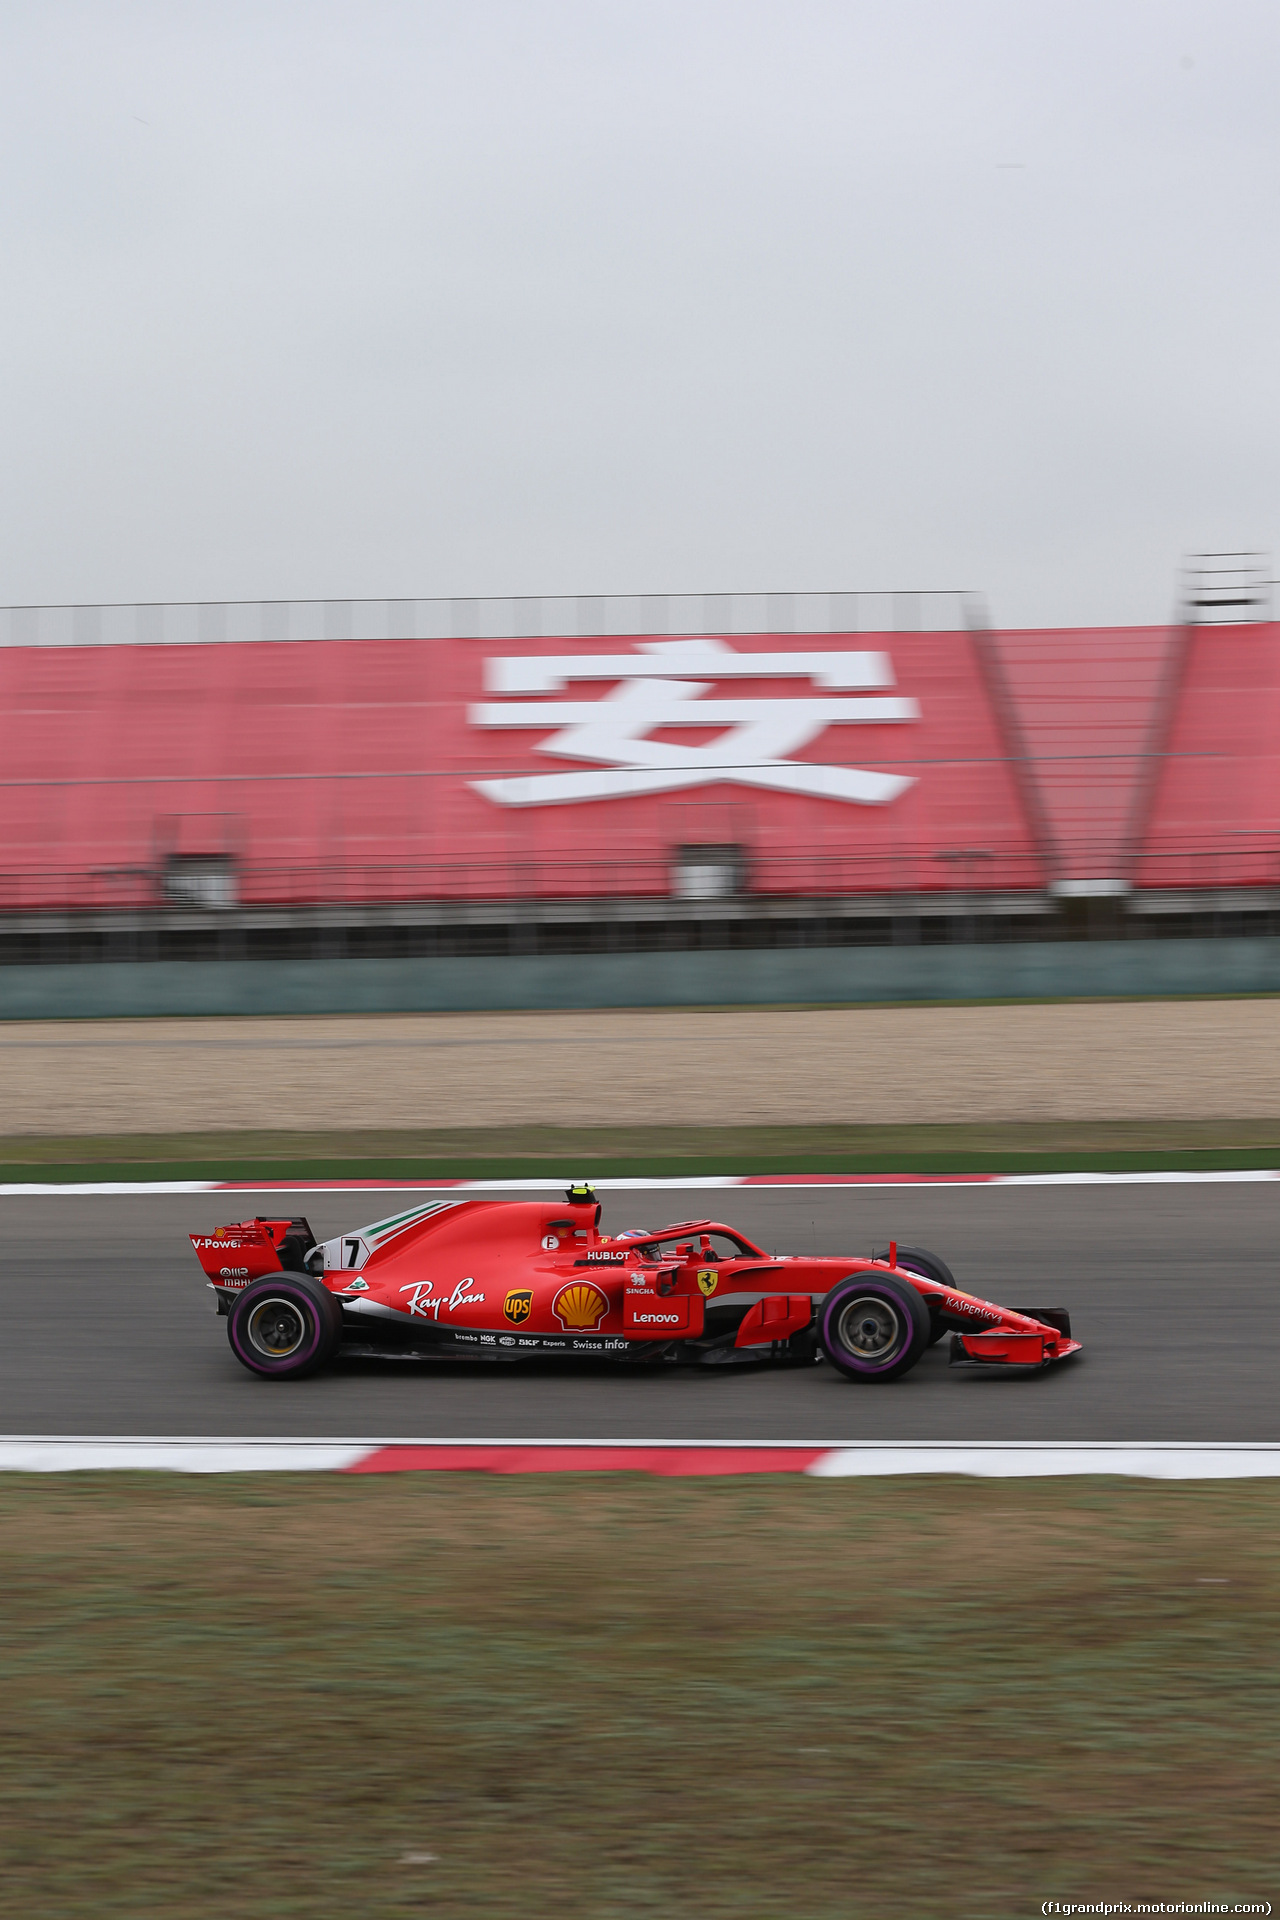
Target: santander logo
[[663, 684]]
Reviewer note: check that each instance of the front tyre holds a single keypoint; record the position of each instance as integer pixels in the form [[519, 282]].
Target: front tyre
[[872, 1327], [284, 1326], [933, 1267]]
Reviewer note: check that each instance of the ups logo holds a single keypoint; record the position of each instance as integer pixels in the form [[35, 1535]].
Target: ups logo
[[517, 1306]]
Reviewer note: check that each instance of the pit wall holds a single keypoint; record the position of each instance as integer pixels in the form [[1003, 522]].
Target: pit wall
[[1104, 969]]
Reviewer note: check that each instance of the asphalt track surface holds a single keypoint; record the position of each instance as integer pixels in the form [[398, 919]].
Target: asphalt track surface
[[1173, 1290]]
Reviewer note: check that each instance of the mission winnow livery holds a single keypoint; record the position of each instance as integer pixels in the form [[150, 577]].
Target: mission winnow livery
[[507, 1280]]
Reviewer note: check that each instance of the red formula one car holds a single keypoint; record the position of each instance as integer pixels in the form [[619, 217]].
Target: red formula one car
[[507, 1280]]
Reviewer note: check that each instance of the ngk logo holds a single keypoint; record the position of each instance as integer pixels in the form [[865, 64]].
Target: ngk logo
[[663, 684]]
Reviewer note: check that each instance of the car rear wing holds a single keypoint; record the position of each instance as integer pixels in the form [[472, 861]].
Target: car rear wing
[[233, 1256]]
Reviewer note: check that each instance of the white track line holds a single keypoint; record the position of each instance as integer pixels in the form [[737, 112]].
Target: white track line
[[1162, 1460], [178, 1456], [35, 1189], [756, 1182], [1130, 1179]]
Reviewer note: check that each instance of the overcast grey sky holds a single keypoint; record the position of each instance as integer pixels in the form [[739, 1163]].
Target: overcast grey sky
[[310, 298]]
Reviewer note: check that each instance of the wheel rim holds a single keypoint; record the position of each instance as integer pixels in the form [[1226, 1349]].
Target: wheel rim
[[276, 1328], [870, 1328]]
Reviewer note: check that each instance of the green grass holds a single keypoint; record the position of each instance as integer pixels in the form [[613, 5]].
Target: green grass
[[557, 1152], [606, 1697]]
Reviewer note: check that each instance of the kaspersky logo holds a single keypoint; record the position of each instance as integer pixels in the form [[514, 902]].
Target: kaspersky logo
[[662, 685]]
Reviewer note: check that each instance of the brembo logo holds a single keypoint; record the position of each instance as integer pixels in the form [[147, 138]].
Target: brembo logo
[[662, 684]]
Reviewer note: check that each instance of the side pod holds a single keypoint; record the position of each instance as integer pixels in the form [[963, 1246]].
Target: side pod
[[775, 1318]]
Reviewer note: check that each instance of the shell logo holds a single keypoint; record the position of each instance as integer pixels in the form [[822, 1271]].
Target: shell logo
[[580, 1308]]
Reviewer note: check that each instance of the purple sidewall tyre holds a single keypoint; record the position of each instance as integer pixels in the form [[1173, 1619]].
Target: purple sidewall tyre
[[933, 1267], [873, 1327], [284, 1326]]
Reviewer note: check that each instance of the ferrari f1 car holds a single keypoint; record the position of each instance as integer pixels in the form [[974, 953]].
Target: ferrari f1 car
[[506, 1280]]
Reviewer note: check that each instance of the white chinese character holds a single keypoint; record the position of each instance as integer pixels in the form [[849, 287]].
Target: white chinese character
[[657, 689]]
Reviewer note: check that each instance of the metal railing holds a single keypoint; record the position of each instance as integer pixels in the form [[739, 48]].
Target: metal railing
[[520, 617], [755, 879]]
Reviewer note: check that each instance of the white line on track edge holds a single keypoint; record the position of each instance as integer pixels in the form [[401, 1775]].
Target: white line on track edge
[[1159, 1460], [753, 1182]]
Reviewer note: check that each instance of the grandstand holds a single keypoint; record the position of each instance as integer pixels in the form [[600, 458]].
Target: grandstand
[[536, 776]]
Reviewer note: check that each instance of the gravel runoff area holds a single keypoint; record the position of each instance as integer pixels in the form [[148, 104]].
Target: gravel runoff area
[[1175, 1059]]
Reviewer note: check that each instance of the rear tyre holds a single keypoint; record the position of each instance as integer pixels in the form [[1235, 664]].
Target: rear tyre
[[872, 1327], [933, 1267], [284, 1326]]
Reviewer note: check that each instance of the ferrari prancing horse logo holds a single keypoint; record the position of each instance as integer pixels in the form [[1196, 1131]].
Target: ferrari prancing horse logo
[[708, 1279], [517, 1306]]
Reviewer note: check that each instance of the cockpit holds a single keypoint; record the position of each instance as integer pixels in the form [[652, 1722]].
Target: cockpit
[[697, 1242]]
